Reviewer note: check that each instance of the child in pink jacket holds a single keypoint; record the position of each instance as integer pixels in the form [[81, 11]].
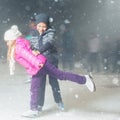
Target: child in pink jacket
[[19, 49], [31, 62]]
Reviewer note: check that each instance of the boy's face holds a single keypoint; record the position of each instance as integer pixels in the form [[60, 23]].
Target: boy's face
[[41, 27]]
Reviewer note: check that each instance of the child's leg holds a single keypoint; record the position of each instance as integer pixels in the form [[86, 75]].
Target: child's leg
[[35, 87], [59, 74]]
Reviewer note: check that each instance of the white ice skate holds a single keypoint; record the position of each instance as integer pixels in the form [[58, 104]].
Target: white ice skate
[[31, 114], [89, 83]]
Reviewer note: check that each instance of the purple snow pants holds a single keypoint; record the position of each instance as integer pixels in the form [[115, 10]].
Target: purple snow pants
[[55, 72]]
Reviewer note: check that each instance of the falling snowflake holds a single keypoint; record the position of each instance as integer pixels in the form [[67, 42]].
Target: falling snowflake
[[99, 1], [115, 81], [112, 2], [76, 96], [56, 0]]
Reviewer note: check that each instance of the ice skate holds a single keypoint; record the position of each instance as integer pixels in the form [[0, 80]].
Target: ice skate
[[89, 83], [61, 106], [31, 114]]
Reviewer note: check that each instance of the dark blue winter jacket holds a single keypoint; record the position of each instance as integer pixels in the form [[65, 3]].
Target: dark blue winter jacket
[[45, 43]]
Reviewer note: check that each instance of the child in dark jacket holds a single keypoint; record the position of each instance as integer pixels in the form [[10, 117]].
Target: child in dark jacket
[[43, 41], [19, 49]]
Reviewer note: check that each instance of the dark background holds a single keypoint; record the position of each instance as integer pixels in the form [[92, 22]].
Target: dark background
[[100, 17]]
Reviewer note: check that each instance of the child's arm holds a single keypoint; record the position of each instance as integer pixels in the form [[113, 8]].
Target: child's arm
[[28, 56]]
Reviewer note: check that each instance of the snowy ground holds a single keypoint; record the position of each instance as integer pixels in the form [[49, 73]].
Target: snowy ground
[[79, 103]]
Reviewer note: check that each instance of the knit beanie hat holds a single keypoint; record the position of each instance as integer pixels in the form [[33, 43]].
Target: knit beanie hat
[[42, 18], [12, 34]]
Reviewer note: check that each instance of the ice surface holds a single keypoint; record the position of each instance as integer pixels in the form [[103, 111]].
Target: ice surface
[[80, 104]]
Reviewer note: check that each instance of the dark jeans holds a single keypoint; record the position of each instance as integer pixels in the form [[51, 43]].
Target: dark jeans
[[55, 72], [55, 89]]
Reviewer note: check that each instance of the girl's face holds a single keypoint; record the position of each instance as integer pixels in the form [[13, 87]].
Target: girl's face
[[41, 27], [10, 42]]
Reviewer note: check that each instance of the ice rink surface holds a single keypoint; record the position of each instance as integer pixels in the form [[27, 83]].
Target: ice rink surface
[[80, 104]]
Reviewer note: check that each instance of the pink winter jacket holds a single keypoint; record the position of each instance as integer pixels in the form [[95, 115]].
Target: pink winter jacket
[[24, 56]]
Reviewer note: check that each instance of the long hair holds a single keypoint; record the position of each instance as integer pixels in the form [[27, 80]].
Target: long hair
[[10, 58], [11, 35]]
